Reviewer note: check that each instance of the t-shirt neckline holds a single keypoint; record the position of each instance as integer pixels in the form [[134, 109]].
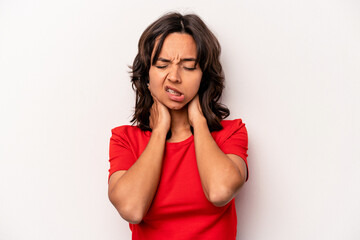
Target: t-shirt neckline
[[183, 142]]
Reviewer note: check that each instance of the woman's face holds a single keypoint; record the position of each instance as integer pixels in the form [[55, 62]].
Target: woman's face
[[174, 80]]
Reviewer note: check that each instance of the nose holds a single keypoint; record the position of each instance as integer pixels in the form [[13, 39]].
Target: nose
[[173, 74]]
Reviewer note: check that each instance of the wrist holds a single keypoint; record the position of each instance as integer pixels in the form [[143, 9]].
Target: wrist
[[158, 132], [199, 122]]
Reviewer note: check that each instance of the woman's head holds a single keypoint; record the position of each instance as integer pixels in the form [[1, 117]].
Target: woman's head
[[174, 78], [178, 53]]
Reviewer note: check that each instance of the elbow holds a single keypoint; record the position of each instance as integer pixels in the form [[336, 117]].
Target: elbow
[[220, 198], [130, 212], [222, 195]]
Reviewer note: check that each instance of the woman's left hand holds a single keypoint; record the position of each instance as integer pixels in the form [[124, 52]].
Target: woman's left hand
[[194, 111]]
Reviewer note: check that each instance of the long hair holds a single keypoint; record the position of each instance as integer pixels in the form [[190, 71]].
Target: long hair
[[208, 53]]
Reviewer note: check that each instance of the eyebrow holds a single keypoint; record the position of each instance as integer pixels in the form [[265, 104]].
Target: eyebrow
[[181, 60]]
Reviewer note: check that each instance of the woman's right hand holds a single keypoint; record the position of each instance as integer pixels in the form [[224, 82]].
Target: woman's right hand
[[160, 119], [132, 191]]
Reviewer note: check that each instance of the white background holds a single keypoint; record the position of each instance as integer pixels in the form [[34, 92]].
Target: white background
[[292, 75]]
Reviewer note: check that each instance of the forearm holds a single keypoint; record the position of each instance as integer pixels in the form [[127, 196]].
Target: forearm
[[220, 177], [133, 192]]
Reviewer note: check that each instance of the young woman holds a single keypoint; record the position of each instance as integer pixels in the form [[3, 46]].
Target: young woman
[[175, 172]]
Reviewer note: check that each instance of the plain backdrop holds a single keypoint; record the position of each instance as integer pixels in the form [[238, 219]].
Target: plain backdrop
[[292, 74]]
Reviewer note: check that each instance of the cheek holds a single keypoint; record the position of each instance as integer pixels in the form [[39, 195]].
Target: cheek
[[155, 80], [196, 85]]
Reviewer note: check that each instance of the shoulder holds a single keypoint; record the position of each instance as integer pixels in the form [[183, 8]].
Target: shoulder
[[230, 128], [129, 130], [232, 124], [125, 129], [128, 133]]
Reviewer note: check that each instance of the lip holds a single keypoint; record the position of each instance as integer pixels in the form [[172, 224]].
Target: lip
[[174, 89], [175, 97]]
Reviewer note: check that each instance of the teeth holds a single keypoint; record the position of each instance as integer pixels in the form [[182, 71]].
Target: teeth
[[173, 92]]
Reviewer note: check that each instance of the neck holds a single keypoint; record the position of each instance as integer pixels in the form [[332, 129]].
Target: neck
[[180, 126]]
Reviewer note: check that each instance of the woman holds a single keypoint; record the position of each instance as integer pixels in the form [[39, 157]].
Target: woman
[[175, 174]]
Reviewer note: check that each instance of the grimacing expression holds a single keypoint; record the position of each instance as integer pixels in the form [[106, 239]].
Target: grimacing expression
[[174, 79]]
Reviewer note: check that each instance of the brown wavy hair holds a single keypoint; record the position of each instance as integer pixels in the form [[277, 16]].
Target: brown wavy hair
[[208, 54]]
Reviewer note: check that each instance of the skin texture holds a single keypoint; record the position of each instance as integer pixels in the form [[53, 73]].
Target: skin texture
[[132, 191]]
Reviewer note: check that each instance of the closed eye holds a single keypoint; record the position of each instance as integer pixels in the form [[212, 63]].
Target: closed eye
[[161, 66], [187, 68], [190, 69]]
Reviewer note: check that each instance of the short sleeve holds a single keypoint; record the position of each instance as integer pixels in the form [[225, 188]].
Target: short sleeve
[[236, 141], [121, 156]]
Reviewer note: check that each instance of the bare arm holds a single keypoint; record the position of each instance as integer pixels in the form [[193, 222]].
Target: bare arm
[[221, 174], [132, 191]]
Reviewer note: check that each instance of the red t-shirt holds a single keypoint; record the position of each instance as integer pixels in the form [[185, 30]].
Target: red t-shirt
[[180, 209]]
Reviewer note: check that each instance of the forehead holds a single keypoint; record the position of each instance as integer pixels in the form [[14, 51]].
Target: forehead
[[178, 45]]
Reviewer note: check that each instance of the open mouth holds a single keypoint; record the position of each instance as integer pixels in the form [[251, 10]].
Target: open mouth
[[173, 91], [174, 94]]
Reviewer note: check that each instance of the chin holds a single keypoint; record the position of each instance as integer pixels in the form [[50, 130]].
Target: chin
[[175, 106]]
